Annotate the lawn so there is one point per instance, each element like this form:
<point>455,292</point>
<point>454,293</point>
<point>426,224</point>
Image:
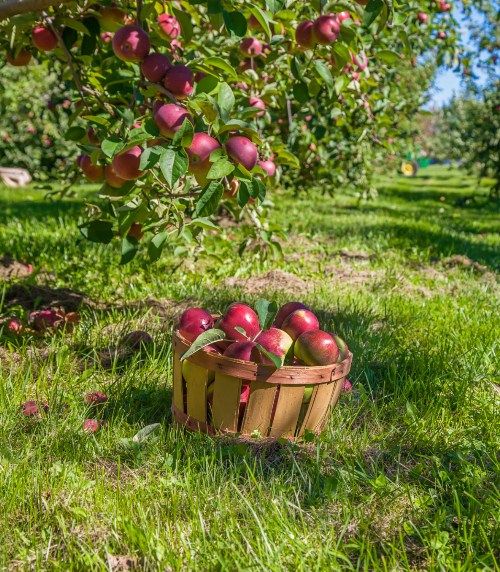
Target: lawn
<point>404,476</point>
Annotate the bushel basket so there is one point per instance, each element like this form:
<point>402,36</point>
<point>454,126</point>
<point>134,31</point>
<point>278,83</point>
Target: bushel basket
<point>275,406</point>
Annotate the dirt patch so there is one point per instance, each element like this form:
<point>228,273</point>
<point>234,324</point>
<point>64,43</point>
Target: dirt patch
<point>9,359</point>
<point>347,274</point>
<point>11,269</point>
<point>121,563</point>
<point>464,262</point>
<point>356,254</point>
<point>272,281</point>
<point>164,308</point>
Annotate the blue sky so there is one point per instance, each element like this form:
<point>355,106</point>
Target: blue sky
<point>446,84</point>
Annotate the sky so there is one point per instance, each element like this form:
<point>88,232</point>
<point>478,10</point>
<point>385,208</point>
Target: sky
<point>446,84</point>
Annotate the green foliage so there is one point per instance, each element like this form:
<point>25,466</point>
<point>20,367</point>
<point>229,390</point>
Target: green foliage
<point>36,108</point>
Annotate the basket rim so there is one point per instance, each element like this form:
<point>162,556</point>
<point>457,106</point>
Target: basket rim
<point>285,375</point>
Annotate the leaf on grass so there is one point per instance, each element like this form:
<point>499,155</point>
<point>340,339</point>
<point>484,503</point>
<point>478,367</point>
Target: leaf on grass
<point>203,340</point>
<point>145,433</point>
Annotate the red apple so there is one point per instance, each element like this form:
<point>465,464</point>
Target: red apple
<point>91,425</point>
<point>202,146</point>
<point>95,398</point>
<point>169,118</point>
<point>43,38</point>
<point>106,37</point>
<point>276,341</point>
<point>242,151</point>
<point>268,166</point>
<point>243,350</point>
<point>92,172</point>
<point>422,17</point>
<point>155,66</point>
<point>253,23</point>
<point>360,60</point>
<point>442,35</point>
<point>179,80</point>
<point>126,164</point>
<point>242,316</point>
<point>193,322</point>
<point>346,386</point>
<point>316,348</point>
<point>251,47</point>
<point>286,310</point>
<point>22,58</point>
<point>343,16</point>
<point>92,137</point>
<point>326,28</point>
<point>258,103</point>
<point>169,26</point>
<point>112,179</point>
<point>299,322</point>
<point>131,43</point>
<point>304,34</point>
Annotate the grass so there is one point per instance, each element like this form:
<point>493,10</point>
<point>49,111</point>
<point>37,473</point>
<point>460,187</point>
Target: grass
<point>404,476</point>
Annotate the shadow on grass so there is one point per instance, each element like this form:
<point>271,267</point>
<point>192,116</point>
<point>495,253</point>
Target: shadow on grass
<point>39,209</point>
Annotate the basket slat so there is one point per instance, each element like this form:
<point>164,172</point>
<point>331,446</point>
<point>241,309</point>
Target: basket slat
<point>197,392</point>
<point>225,408</point>
<point>287,411</point>
<point>318,407</point>
<point>178,397</point>
<point>333,401</point>
<point>259,408</point>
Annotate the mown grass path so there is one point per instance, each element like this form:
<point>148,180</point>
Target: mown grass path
<point>404,476</point>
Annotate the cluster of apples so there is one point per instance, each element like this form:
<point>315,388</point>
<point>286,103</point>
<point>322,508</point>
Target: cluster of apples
<point>41,321</point>
<point>295,336</point>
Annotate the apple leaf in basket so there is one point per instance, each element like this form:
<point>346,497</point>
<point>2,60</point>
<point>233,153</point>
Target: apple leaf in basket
<point>266,311</point>
<point>204,339</point>
<point>241,330</point>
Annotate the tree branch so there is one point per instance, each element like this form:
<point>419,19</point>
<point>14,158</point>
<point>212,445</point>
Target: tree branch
<point>10,8</point>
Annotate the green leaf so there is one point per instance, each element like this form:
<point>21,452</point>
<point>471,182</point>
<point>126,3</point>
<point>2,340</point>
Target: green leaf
<point>204,223</point>
<point>149,158</point>
<point>275,5</point>
<point>341,83</point>
<point>145,433</point>
<point>184,135</point>
<point>173,165</point>
<point>130,246</point>
<point>156,245</point>
<point>75,133</point>
<point>244,193</point>
<point>220,63</point>
<point>372,10</point>
<point>266,311</point>
<point>262,18</point>
<point>342,54</point>
<point>325,74</point>
<point>388,56</point>
<point>235,22</point>
<point>300,92</point>
<point>209,199</point>
<point>110,147</point>
<point>186,24</point>
<point>98,231</point>
<point>220,169</point>
<point>69,37</point>
<point>205,339</point>
<point>225,100</point>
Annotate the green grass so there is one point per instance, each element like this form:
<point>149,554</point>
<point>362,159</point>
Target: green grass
<point>402,478</point>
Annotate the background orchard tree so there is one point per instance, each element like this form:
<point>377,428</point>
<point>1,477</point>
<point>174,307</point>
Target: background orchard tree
<point>184,106</point>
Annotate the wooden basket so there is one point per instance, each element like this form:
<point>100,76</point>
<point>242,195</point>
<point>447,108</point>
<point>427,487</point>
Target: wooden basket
<point>275,407</point>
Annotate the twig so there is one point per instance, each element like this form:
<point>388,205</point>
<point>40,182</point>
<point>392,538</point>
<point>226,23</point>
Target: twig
<point>139,9</point>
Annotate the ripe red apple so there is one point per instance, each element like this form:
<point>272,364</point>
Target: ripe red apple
<point>92,137</point>
<point>169,118</point>
<point>112,179</point>
<point>299,322</point>
<point>169,26</point>
<point>240,315</point>
<point>343,16</point>
<point>95,398</point>
<point>258,103</point>
<point>286,310</point>
<point>346,386</point>
<point>326,28</point>
<point>242,151</point>
<point>202,146</point>
<point>251,47</point>
<point>135,231</point>
<point>268,166</point>
<point>131,43</point>
<point>94,173</point>
<point>360,60</point>
<point>155,66</point>
<point>22,58</point>
<point>243,350</point>
<point>179,81</point>
<point>444,6</point>
<point>316,348</point>
<point>91,425</point>
<point>106,37</point>
<point>193,322</point>
<point>275,341</point>
<point>253,23</point>
<point>422,17</point>
<point>304,34</point>
<point>442,35</point>
<point>43,38</point>
<point>126,164</point>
